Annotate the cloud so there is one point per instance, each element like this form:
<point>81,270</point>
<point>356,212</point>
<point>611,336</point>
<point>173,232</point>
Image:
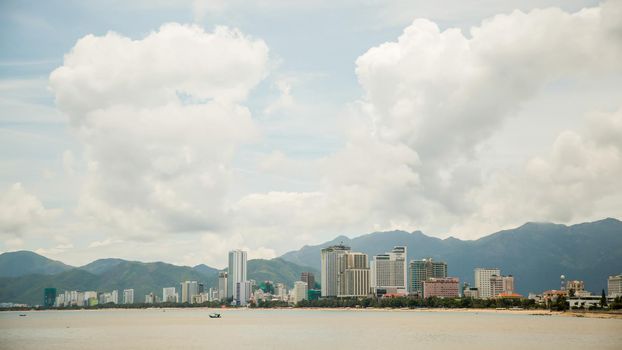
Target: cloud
<point>285,99</point>
<point>578,179</point>
<point>442,93</point>
<point>160,119</point>
<point>431,98</point>
<point>22,212</point>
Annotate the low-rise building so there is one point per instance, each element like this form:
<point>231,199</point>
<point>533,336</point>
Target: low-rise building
<point>470,293</point>
<point>447,287</point>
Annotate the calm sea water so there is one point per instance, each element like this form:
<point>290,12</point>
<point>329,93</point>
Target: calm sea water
<point>302,329</point>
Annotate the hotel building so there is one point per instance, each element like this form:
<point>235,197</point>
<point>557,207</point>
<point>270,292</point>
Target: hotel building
<point>389,272</point>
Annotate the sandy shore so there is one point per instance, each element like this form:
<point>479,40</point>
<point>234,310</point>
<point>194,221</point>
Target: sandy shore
<point>534,312</point>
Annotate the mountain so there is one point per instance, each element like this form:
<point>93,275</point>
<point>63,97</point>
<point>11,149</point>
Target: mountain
<point>278,270</point>
<point>205,270</point>
<point>20,263</point>
<point>102,275</point>
<point>102,265</point>
<point>536,254</point>
<point>105,275</point>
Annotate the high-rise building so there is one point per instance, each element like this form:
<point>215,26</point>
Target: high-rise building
<point>330,269</point>
<point>236,272</point>
<point>496,285</point>
<point>169,295</point>
<point>299,292</point>
<point>60,300</point>
<point>424,269</point>
<point>353,278</point>
<point>508,284</point>
<point>188,290</point>
<point>49,297</point>
<point>151,298</point>
<point>222,285</point>
<point>184,292</point>
<point>115,296</point>
<point>389,272</point>
<point>309,278</point>
<point>280,291</point>
<point>128,296</point>
<point>242,293</point>
<point>448,287</point>
<point>482,281</point>
<point>614,286</point>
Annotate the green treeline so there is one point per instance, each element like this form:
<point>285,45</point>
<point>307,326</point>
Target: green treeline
<point>433,302</point>
<point>398,302</point>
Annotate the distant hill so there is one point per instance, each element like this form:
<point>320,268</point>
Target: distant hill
<point>105,275</point>
<point>99,276</point>
<point>102,265</point>
<point>14,264</point>
<point>535,253</point>
<point>205,270</point>
<point>278,270</point>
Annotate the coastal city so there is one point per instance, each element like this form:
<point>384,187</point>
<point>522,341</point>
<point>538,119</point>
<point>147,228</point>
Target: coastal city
<point>348,275</point>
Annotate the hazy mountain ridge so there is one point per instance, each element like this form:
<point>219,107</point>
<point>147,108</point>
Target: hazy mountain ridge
<point>104,275</point>
<point>26,262</point>
<point>535,253</point>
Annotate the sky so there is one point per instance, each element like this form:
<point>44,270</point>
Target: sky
<point>178,130</point>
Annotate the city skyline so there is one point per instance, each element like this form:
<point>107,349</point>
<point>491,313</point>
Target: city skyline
<point>344,274</point>
<point>310,174</point>
<point>273,126</point>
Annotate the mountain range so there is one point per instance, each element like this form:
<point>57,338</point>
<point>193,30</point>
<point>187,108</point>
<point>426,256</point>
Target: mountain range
<point>24,283</point>
<point>536,254</point>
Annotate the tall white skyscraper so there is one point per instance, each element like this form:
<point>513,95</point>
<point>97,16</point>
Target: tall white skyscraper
<point>483,283</point>
<point>389,271</point>
<point>128,296</point>
<point>236,273</point>
<point>330,269</point>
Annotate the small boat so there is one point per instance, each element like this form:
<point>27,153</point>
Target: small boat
<point>22,315</point>
<point>214,315</point>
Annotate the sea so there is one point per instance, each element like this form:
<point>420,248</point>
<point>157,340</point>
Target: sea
<point>286,329</point>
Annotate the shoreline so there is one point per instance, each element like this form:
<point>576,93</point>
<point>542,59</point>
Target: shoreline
<point>527,312</point>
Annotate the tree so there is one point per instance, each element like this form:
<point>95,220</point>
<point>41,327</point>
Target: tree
<point>603,299</point>
<point>559,304</point>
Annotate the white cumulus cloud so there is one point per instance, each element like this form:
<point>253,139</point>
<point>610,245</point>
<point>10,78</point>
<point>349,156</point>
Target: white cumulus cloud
<point>22,212</point>
<point>431,98</point>
<point>160,118</point>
